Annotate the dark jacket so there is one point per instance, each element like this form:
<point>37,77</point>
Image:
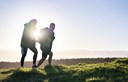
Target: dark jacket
<point>46,36</point>
<point>28,39</point>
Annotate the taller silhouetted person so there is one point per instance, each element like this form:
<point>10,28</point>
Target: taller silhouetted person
<point>28,41</point>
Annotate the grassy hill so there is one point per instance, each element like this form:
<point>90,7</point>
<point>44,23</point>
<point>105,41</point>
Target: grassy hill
<point>116,71</point>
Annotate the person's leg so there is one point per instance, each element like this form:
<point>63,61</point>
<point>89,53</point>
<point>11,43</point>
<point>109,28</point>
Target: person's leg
<point>23,52</point>
<point>41,61</point>
<point>44,56</point>
<point>34,50</point>
<point>50,57</point>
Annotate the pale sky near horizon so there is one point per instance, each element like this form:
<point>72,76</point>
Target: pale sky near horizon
<point>80,24</point>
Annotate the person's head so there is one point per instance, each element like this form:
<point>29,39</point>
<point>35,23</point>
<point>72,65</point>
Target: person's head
<point>33,21</point>
<point>52,26</point>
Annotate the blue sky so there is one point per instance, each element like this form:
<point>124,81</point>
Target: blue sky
<point>80,24</point>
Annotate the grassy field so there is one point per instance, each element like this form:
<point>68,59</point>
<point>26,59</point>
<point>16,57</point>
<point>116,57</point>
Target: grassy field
<point>116,71</point>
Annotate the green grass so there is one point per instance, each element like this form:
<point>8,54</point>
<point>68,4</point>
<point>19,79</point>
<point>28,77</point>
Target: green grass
<point>116,71</point>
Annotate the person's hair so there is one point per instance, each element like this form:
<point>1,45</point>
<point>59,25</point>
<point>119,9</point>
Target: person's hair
<point>33,21</point>
<point>52,24</point>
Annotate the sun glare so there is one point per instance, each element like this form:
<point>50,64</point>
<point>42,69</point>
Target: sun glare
<point>36,34</point>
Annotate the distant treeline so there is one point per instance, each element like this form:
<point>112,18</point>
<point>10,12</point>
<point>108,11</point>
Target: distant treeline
<point>59,61</point>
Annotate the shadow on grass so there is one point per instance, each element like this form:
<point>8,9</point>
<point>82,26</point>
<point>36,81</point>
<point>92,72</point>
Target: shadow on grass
<point>25,75</point>
<point>56,74</point>
<point>61,74</point>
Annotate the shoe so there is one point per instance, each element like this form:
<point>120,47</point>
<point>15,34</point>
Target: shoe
<point>34,66</point>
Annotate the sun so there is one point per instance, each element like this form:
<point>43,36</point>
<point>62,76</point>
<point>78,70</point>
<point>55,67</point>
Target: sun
<point>36,34</point>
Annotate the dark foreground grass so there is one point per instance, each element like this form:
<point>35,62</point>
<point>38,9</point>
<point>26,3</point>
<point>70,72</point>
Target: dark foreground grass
<point>116,71</point>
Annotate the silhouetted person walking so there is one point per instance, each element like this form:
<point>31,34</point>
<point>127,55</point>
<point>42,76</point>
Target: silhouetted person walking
<point>28,41</point>
<point>46,39</point>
